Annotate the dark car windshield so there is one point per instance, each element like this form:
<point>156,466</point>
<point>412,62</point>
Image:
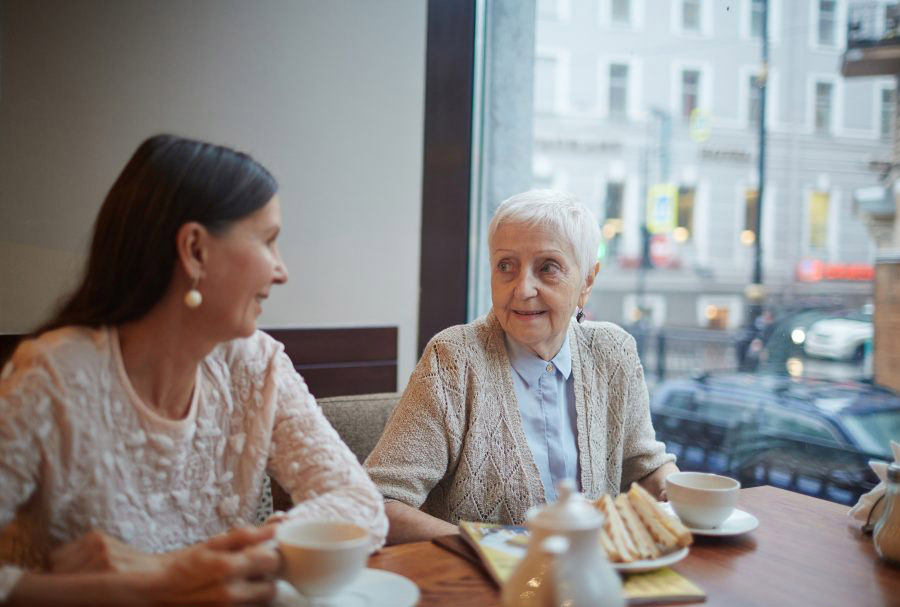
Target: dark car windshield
<point>873,431</point>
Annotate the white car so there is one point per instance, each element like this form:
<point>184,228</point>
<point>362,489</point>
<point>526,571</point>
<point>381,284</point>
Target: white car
<point>838,338</point>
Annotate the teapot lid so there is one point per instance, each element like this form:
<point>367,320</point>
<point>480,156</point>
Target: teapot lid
<point>570,511</point>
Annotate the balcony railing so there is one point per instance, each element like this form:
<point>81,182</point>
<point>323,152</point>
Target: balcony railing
<point>873,24</point>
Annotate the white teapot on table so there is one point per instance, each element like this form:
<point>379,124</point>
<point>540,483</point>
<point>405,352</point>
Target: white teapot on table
<point>565,563</point>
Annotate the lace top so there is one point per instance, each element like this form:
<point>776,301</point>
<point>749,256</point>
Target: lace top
<point>455,446</point>
<point>80,450</point>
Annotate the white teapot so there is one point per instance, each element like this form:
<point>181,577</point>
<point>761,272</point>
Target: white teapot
<point>565,563</point>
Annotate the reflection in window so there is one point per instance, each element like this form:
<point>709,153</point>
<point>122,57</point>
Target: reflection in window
<point>621,11</point>
<point>823,107</point>
<point>618,89</point>
<point>756,18</point>
<point>690,15</point>
<point>798,425</point>
<point>545,84</point>
<point>827,22</point>
<point>887,112</point>
<point>818,220</point>
<point>690,92</point>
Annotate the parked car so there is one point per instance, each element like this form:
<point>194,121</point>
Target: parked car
<point>840,338</point>
<point>813,436</point>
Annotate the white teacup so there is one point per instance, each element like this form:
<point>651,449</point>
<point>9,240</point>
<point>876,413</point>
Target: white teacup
<point>702,500</point>
<point>322,557</point>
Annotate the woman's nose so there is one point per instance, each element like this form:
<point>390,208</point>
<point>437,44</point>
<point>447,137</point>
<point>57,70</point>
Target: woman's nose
<point>525,285</point>
<point>281,273</point>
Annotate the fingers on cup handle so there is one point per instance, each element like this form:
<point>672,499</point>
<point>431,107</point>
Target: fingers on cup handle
<point>241,537</point>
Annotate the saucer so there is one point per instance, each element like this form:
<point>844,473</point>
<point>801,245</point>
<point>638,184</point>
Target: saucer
<point>739,522</point>
<point>651,564</point>
<point>373,588</point>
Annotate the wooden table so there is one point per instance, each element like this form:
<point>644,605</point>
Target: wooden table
<point>802,553</point>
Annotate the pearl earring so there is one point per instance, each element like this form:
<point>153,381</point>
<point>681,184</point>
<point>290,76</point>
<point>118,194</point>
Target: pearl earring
<point>193,298</point>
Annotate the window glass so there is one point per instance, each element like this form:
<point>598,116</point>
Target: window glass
<point>887,112</point>
<point>827,22</point>
<point>675,190</point>
<point>690,15</point>
<point>756,18</point>
<point>823,107</point>
<point>753,106</point>
<point>798,424</point>
<point>685,215</point>
<point>690,92</point>
<point>621,11</point>
<point>618,89</point>
<point>545,84</point>
<point>750,207</point>
<point>818,220</point>
<point>873,431</point>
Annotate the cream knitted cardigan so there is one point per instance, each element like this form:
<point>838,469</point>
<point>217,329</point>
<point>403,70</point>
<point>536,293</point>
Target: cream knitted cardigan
<point>455,446</point>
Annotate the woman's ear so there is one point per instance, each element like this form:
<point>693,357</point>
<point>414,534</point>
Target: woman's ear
<point>588,285</point>
<point>191,242</point>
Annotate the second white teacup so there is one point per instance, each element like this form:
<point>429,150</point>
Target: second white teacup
<point>322,557</point>
<point>702,500</point>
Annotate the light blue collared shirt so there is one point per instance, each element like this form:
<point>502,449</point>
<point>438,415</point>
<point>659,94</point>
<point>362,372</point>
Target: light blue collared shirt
<point>545,391</point>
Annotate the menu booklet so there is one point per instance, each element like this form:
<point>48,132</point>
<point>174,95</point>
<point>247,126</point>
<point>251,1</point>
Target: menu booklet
<point>498,548</point>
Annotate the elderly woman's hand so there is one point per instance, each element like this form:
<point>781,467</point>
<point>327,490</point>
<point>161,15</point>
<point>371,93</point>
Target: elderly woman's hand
<point>655,482</point>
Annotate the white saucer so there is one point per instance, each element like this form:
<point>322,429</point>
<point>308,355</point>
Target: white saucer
<point>739,522</point>
<point>651,564</point>
<point>373,588</point>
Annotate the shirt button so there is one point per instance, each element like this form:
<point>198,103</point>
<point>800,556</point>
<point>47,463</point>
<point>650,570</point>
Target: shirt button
<point>549,367</point>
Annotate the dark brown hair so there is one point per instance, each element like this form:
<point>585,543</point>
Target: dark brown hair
<point>168,182</point>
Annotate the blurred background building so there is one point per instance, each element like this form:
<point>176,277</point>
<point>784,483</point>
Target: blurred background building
<point>649,111</point>
<point>873,52</point>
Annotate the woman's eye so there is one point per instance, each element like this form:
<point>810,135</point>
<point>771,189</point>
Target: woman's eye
<point>549,267</point>
<point>503,266</point>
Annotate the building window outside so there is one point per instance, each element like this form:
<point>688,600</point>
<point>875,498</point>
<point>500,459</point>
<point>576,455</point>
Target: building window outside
<point>818,220</point>
<point>753,107</point>
<point>621,12</point>
<point>887,112</point>
<point>827,22</point>
<point>545,69</point>
<point>824,93</point>
<point>690,92</point>
<point>756,18</point>
<point>618,89</point>
<point>690,15</point>
<point>612,217</point>
<point>684,220</point>
<point>751,227</point>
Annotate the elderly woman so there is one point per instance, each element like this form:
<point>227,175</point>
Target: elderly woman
<point>152,409</point>
<point>499,410</point>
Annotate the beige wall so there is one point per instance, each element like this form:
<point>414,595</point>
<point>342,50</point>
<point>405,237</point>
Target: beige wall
<point>328,95</point>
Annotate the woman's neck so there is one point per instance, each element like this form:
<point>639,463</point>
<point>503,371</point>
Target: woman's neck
<point>161,355</point>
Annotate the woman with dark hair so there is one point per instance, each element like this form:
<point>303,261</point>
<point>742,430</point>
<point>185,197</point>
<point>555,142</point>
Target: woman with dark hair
<point>150,409</point>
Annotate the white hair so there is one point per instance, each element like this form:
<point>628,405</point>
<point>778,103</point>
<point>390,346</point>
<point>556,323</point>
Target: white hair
<point>560,212</point>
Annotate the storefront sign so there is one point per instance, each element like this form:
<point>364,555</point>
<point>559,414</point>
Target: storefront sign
<point>816,270</point>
